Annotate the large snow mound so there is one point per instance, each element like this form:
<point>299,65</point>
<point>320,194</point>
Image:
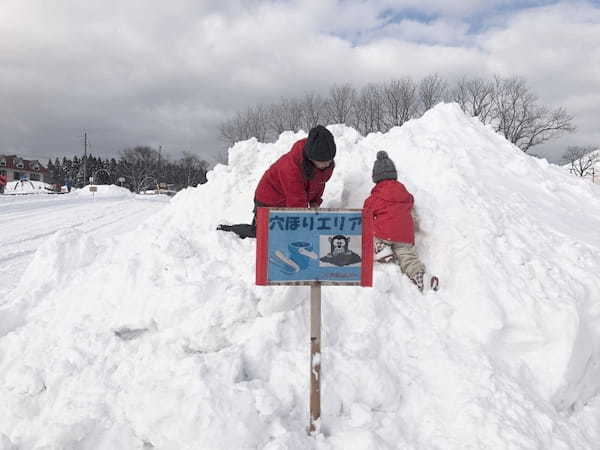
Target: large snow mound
<point>163,341</point>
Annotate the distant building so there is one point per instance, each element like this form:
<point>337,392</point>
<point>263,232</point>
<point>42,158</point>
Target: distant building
<point>16,168</point>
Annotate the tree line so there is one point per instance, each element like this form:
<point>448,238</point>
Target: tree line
<point>138,168</point>
<point>506,104</point>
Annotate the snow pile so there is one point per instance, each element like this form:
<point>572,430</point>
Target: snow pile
<point>163,341</point>
<point>26,187</point>
<point>103,190</point>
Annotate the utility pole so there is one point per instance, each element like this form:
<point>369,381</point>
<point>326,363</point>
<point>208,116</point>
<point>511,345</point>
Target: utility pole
<point>84,158</point>
<point>159,155</point>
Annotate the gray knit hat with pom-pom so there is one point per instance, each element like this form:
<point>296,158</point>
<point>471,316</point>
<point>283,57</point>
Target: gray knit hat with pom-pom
<point>384,168</point>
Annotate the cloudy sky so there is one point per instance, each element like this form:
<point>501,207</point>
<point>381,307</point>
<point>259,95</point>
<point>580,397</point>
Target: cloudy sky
<point>166,73</point>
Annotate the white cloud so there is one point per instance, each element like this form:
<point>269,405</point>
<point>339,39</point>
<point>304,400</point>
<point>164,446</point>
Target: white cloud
<point>166,73</point>
<point>556,49</point>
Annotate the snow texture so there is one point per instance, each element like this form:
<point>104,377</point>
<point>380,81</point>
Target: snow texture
<point>26,187</point>
<point>26,221</point>
<point>103,190</point>
<point>164,341</point>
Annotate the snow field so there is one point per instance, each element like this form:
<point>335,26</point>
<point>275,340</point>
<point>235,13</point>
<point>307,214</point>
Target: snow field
<point>26,187</point>
<point>163,341</point>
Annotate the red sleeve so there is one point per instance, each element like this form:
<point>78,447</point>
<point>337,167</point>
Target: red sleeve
<point>407,197</point>
<point>292,183</point>
<point>369,205</point>
<point>317,197</point>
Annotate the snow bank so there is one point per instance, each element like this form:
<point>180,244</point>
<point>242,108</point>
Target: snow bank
<point>26,187</point>
<point>103,190</point>
<point>163,341</point>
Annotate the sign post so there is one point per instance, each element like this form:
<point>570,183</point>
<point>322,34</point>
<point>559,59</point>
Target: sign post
<point>315,357</point>
<point>314,247</point>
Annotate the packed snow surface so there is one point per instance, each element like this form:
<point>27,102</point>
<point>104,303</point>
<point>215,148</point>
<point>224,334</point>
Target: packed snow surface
<point>163,341</point>
<point>27,221</point>
<point>26,187</point>
<point>103,190</point>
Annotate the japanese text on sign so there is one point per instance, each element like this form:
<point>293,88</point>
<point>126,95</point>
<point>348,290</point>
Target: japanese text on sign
<point>309,223</point>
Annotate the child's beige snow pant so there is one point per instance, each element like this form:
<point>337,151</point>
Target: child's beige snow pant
<point>406,257</point>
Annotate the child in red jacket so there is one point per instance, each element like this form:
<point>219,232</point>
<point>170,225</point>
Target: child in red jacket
<point>391,206</point>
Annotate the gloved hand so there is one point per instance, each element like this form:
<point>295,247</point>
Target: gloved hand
<point>243,230</point>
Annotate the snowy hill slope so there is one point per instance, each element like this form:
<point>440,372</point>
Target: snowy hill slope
<point>163,341</point>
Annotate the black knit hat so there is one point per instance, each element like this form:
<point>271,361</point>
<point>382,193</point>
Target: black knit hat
<point>384,168</point>
<point>320,145</point>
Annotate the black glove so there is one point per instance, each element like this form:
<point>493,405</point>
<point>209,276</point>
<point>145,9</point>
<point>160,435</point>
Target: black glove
<point>243,230</point>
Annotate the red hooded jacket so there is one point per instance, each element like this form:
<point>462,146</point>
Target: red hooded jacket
<point>2,180</point>
<point>285,183</point>
<point>391,205</point>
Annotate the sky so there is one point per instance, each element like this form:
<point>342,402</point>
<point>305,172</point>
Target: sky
<point>149,72</point>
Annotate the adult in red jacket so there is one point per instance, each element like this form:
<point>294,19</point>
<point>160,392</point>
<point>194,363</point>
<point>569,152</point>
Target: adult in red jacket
<point>296,180</point>
<point>390,205</point>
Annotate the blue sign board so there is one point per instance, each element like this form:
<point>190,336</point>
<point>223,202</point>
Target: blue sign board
<point>309,246</point>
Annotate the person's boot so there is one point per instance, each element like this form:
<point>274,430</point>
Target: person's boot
<point>384,253</point>
<point>434,283</point>
<point>417,278</point>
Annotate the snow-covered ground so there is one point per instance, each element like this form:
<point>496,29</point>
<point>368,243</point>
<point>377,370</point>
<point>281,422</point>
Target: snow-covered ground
<point>162,340</point>
<point>26,187</point>
<point>27,221</point>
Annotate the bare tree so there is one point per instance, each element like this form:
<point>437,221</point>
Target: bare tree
<point>400,98</point>
<point>235,129</point>
<point>368,112</point>
<point>312,110</point>
<point>475,96</point>
<point>293,115</point>
<point>277,117</point>
<point>432,90</point>
<point>360,113</point>
<point>582,159</point>
<point>339,103</point>
<point>252,123</point>
<point>505,103</point>
<point>138,164</point>
<point>194,169</point>
<point>517,115</point>
<point>256,123</point>
<point>227,132</point>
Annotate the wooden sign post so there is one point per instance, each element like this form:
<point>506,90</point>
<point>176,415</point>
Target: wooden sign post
<point>315,357</point>
<point>315,247</point>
